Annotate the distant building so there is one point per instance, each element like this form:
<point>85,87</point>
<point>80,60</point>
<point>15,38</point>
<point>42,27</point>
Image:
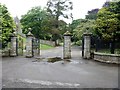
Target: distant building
<point>18,27</point>
<point>20,36</point>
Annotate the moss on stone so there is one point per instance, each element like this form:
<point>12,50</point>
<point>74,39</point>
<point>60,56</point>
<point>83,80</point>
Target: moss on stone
<point>55,59</point>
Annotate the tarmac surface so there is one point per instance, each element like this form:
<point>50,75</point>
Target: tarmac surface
<point>21,72</point>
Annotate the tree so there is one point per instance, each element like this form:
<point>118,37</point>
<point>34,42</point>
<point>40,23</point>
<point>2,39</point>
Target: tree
<point>92,14</point>
<point>57,32</point>
<point>42,24</point>
<point>39,21</point>
<point>79,26</point>
<point>75,23</point>
<point>108,23</point>
<point>63,27</point>
<point>59,8</point>
<point>84,26</point>
<point>7,25</point>
<point>106,4</point>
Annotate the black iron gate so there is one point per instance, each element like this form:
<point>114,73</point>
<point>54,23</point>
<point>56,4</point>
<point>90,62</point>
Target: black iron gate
<point>82,46</point>
<point>20,46</point>
<point>35,46</point>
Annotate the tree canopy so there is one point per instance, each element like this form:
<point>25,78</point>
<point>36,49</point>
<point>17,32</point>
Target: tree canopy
<point>84,26</point>
<point>38,20</point>
<point>7,26</point>
<point>42,24</point>
<point>59,8</point>
<point>92,14</point>
<point>108,22</point>
<point>45,23</point>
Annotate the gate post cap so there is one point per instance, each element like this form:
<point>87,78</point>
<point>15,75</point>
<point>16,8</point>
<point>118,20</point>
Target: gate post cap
<point>67,33</point>
<point>87,34</point>
<point>14,34</point>
<point>29,33</point>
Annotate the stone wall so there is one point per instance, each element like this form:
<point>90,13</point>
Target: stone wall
<point>5,52</point>
<point>51,43</point>
<point>108,58</point>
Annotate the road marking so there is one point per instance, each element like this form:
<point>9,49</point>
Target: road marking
<point>48,82</point>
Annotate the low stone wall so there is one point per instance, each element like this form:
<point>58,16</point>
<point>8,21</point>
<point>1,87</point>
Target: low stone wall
<point>108,58</point>
<point>51,43</point>
<point>5,53</point>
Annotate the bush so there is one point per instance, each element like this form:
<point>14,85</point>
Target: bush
<point>117,51</point>
<point>54,59</point>
<point>79,43</point>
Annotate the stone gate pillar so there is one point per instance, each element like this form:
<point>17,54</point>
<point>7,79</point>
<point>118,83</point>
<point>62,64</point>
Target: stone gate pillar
<point>29,45</point>
<point>86,45</point>
<point>67,45</point>
<point>13,46</point>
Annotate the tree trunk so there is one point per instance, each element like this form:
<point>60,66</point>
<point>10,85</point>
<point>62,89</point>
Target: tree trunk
<point>56,43</point>
<point>112,48</point>
<point>39,47</point>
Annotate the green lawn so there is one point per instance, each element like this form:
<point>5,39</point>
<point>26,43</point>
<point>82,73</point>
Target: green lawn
<point>45,47</point>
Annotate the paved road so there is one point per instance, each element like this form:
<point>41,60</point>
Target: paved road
<point>20,72</point>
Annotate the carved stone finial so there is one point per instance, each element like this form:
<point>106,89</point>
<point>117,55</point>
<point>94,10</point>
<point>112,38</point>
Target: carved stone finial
<point>29,33</point>
<point>67,33</point>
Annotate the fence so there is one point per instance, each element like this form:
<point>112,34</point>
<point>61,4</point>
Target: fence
<point>101,45</point>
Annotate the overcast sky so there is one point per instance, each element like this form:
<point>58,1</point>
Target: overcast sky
<point>80,7</point>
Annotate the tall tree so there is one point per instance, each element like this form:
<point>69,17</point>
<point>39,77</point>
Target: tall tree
<point>92,14</point>
<point>108,23</point>
<point>77,22</point>
<point>38,20</point>
<point>59,8</point>
<point>84,26</point>
<point>7,25</point>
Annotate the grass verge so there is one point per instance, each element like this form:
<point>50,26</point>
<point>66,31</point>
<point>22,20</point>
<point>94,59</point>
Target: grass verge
<point>45,47</point>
